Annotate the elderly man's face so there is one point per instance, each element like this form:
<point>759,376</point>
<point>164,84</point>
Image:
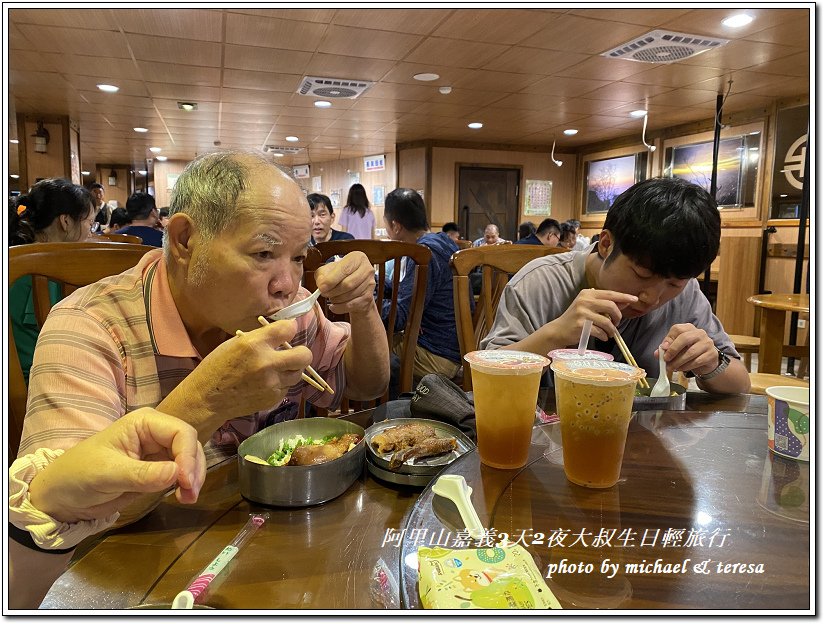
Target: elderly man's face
<point>491,236</point>
<point>256,265</point>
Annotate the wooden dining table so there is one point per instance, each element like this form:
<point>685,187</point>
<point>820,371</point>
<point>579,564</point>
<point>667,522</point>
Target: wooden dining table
<point>705,469</point>
<point>774,309</point>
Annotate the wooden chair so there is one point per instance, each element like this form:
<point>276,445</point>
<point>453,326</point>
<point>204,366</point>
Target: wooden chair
<point>463,244</point>
<point>72,265</point>
<point>118,238</point>
<point>497,263</point>
<point>380,252</point>
<point>759,382</point>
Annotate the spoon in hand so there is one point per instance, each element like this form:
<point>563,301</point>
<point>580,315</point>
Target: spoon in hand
<point>294,310</point>
<point>662,386</point>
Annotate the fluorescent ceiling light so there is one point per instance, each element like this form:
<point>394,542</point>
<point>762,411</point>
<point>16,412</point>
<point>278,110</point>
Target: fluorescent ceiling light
<point>475,125</point>
<point>292,139</point>
<point>737,21</point>
<point>570,131</point>
<point>323,104</point>
<point>141,129</point>
<point>638,114</point>
<point>155,150</point>
<point>108,88</point>
<point>426,77</point>
<point>162,158</point>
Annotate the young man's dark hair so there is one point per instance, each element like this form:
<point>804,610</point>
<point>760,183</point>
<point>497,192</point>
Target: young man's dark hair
<point>450,227</point>
<point>317,198</point>
<point>119,219</point>
<point>574,223</point>
<point>547,225</point>
<point>666,225</point>
<point>525,229</point>
<point>96,185</point>
<point>406,207</point>
<point>140,205</point>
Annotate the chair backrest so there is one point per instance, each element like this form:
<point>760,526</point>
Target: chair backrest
<point>463,244</point>
<point>72,265</point>
<point>379,253</point>
<point>118,238</point>
<point>498,263</point>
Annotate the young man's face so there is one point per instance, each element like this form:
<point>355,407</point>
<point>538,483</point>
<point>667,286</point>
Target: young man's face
<point>321,223</point>
<point>455,236</point>
<point>256,265</point>
<point>623,275</point>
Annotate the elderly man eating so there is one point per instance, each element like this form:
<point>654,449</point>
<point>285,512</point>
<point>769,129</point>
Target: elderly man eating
<point>180,332</point>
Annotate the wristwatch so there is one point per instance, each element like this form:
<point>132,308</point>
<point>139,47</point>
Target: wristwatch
<point>723,362</point>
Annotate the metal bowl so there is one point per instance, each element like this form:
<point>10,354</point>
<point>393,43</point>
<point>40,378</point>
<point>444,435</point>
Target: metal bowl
<point>298,486</point>
<point>677,402</point>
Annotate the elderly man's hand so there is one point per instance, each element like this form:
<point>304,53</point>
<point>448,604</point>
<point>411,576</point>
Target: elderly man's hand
<point>144,451</point>
<point>348,284</point>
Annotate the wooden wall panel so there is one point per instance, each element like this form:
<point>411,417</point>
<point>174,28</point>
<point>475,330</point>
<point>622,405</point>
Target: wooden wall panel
<point>738,267</point>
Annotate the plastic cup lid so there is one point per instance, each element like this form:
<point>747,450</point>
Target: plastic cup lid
<point>504,360</point>
<point>572,354</point>
<point>597,370</point>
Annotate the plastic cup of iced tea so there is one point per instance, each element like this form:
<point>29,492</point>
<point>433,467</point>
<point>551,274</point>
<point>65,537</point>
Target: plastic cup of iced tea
<point>594,404</point>
<point>505,385</point>
<point>572,354</point>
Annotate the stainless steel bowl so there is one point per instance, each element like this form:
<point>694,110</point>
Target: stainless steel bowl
<point>677,402</point>
<point>298,486</point>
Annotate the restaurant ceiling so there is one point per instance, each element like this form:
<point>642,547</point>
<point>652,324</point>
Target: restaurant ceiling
<point>527,74</point>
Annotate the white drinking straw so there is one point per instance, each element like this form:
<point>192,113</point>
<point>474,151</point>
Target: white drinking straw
<point>582,344</point>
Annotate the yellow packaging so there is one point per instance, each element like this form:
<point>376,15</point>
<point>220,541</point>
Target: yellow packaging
<point>482,578</point>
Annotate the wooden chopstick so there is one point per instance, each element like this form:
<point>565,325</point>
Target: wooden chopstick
<point>303,376</point>
<point>321,382</point>
<point>628,357</point>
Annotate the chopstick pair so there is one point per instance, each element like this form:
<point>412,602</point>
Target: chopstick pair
<point>628,357</point>
<point>316,380</point>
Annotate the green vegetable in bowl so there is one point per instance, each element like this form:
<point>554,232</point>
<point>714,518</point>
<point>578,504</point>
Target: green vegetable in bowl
<point>283,453</point>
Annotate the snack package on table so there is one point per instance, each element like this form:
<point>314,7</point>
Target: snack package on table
<point>482,578</point>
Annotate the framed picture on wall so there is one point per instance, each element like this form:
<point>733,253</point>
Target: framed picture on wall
<point>607,178</point>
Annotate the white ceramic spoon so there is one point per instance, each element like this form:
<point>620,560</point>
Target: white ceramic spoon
<point>299,308</point>
<point>454,488</point>
<point>662,386</point>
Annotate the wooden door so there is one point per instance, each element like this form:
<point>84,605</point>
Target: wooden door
<point>488,195</point>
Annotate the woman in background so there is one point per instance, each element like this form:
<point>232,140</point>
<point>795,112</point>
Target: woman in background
<point>54,210</point>
<point>357,217</point>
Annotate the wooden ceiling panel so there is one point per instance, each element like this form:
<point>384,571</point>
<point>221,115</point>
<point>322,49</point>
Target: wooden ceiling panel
<point>469,54</point>
<point>708,21</point>
<point>112,101</point>
<point>181,74</point>
<point>323,16</point>
<point>649,16</point>
<point>378,104</point>
<point>565,87</point>
<point>684,97</point>
<point>336,66</point>
<point>470,97</point>
<point>600,68</point>
<point>273,33</point>
<point>789,87</point>
<point>73,41</point>
<point>166,49</point>
<point>367,43</point>
<point>30,61</point>
<point>404,73</point>
<point>300,123</point>
<point>741,55</point>
<point>796,31</point>
<point>625,91</point>
<point>414,119</point>
<point>392,91</point>
<point>411,21</point>
<point>266,59</point>
<point>93,19</point>
<point>482,80</point>
<point>374,116</point>
<point>506,26</point>
<point>170,108</point>
<point>356,125</point>
<point>583,35</point>
<point>241,79</point>
<point>197,24</point>
<point>529,101</point>
<point>307,105</point>
<point>674,75</point>
<point>443,109</point>
<point>585,106</point>
<point>184,93</point>
<point>254,96</point>
<point>796,65</point>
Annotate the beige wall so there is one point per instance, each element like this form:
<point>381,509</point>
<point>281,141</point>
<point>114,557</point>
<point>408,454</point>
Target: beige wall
<point>162,170</point>
<point>119,193</point>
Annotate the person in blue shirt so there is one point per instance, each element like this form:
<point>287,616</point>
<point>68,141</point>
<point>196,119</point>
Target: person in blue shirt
<point>437,351</point>
<point>144,217</point>
<point>323,215</point>
<point>548,233</point>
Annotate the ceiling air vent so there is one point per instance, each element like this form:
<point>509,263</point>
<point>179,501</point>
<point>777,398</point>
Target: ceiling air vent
<point>340,88</point>
<point>661,46</point>
<point>282,150</point>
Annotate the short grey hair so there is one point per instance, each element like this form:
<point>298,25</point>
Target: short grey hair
<point>209,187</point>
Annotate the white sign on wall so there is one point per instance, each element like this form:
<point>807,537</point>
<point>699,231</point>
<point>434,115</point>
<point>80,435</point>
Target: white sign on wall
<point>374,163</point>
<point>300,171</point>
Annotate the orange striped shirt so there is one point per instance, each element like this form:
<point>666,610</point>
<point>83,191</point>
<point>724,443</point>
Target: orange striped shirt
<point>120,344</point>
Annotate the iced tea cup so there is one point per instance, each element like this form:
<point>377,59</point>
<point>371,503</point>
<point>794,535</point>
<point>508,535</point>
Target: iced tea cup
<point>594,403</point>
<point>505,385</point>
<point>572,354</point>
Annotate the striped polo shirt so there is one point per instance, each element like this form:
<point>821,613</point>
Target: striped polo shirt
<point>120,344</point>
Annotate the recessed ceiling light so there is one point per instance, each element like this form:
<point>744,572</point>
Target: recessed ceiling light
<point>155,150</point>
<point>15,141</point>
<point>108,88</point>
<point>141,129</point>
<point>475,125</point>
<point>323,103</point>
<point>187,106</point>
<point>426,77</point>
<point>737,21</point>
<point>570,131</point>
<point>86,172</point>
<point>14,175</point>
<point>292,139</point>
<point>277,154</point>
<point>638,114</point>
<point>162,158</point>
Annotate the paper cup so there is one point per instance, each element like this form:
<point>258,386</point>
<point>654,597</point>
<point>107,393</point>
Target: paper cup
<point>788,421</point>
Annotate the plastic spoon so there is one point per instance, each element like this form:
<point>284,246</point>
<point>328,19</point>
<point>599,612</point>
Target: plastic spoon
<point>662,386</point>
<point>299,308</point>
<point>454,488</point>
<point>585,332</point>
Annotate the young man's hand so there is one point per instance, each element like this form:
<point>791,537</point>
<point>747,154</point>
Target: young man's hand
<point>688,348</point>
<point>602,307</point>
<point>348,284</point>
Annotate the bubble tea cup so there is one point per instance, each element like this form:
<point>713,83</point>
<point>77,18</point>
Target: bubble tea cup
<point>505,386</point>
<point>594,404</point>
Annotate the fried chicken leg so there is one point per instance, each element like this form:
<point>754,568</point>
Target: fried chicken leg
<point>425,448</point>
<point>322,453</point>
<point>402,436</point>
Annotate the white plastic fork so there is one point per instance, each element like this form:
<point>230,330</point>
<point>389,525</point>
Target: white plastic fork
<point>662,386</point>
